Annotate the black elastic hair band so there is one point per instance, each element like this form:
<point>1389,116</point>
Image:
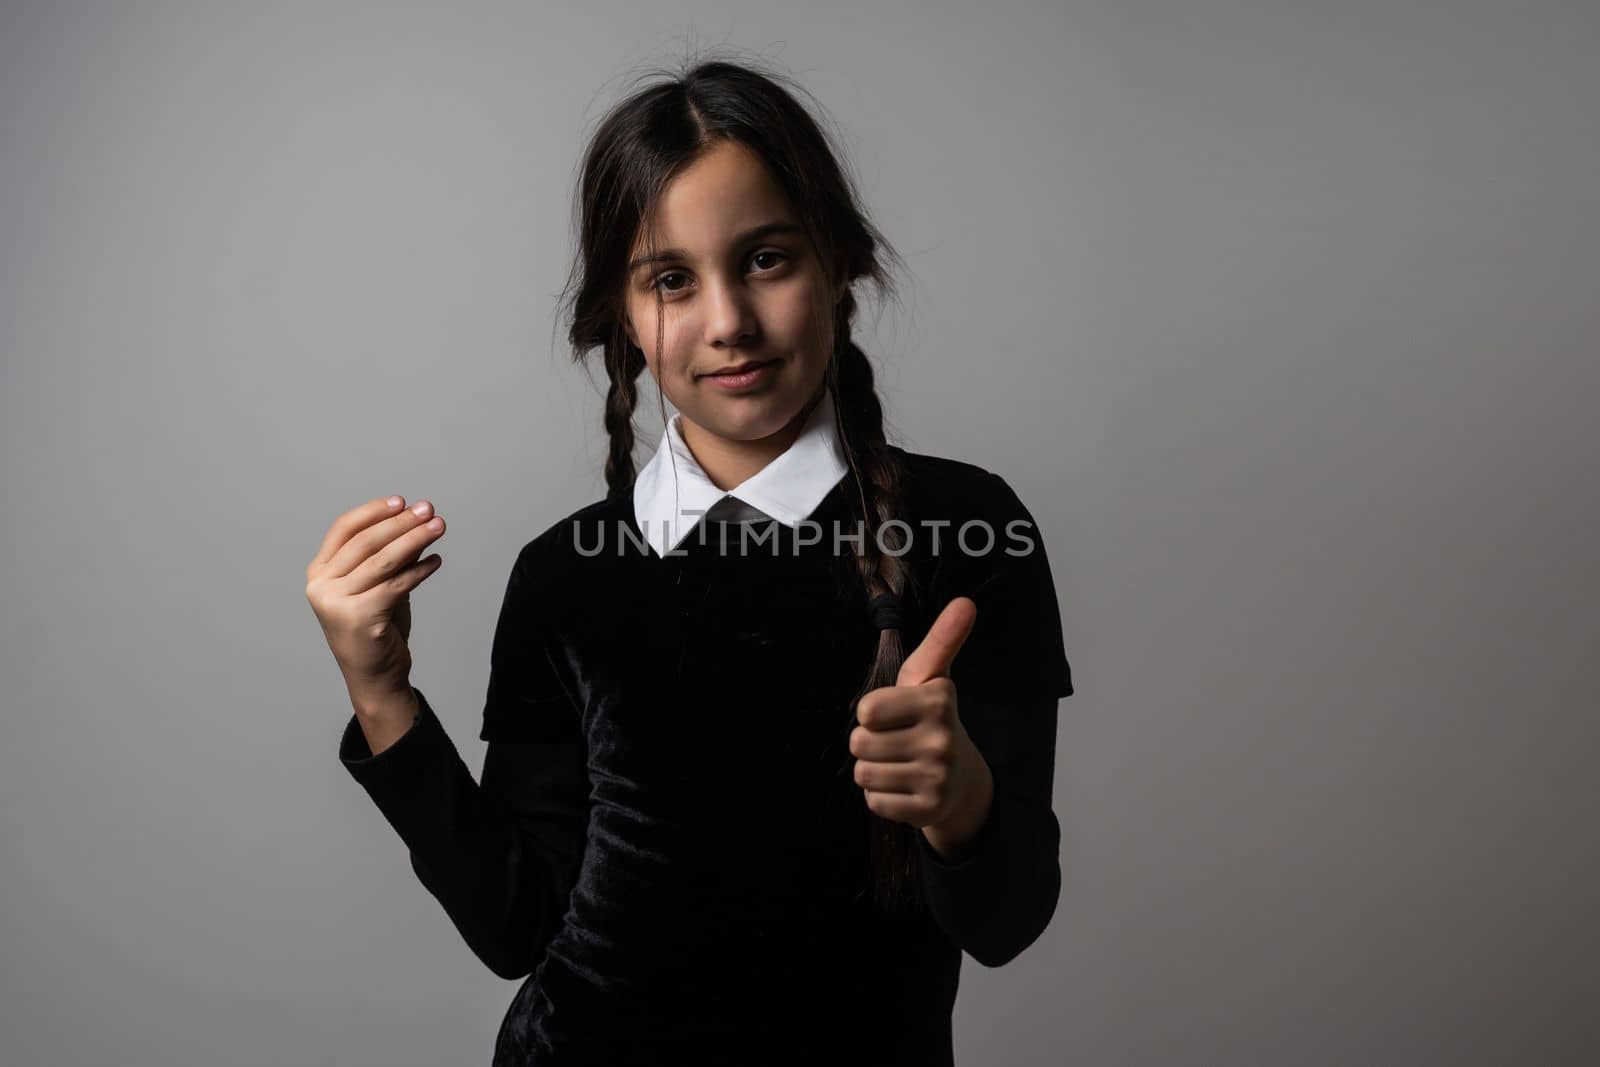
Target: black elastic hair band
<point>886,613</point>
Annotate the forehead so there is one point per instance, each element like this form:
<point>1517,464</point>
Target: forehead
<point>725,191</point>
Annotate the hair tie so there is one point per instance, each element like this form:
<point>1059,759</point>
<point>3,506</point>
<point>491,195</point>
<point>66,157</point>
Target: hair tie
<point>885,611</point>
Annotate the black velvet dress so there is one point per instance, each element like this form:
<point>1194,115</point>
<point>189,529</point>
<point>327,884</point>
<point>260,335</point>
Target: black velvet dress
<point>668,845</point>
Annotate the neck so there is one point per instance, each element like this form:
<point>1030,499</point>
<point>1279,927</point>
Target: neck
<point>729,462</point>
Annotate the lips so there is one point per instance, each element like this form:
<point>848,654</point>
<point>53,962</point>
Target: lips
<point>738,368</point>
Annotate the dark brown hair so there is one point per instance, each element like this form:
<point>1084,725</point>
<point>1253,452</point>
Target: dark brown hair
<point>636,149</point>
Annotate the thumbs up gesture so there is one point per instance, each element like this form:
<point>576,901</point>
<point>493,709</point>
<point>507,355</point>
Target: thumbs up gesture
<point>914,759</point>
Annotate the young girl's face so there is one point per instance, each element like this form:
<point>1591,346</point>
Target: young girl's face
<point>731,295</point>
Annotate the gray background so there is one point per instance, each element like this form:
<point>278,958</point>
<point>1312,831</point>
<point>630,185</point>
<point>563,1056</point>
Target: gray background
<point>1281,317</point>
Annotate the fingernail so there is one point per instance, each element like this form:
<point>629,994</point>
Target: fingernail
<point>394,502</point>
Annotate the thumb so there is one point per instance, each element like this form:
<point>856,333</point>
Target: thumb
<point>932,658</point>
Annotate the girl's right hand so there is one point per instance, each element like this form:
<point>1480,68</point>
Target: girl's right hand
<point>359,585</point>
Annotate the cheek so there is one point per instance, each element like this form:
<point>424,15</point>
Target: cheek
<point>669,327</point>
<point>792,314</point>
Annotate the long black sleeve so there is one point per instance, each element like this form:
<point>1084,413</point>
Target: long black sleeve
<point>501,857</point>
<point>996,896</point>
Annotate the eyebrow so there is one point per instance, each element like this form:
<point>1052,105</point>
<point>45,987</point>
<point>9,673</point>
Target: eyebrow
<point>766,229</point>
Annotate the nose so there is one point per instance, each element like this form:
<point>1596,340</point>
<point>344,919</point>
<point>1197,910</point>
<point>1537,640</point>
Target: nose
<point>729,321</point>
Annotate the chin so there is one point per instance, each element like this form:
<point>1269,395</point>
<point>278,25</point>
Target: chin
<point>749,425</point>
<point>750,418</point>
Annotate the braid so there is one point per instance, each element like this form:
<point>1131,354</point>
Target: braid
<point>624,363</point>
<point>879,476</point>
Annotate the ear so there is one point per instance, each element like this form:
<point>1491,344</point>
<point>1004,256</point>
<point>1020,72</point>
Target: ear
<point>841,280</point>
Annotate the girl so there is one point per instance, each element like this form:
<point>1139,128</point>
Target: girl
<point>771,727</point>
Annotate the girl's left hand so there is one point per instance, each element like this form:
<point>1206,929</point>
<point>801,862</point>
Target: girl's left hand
<point>914,759</point>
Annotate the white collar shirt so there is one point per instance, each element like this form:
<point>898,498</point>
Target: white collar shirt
<point>787,489</point>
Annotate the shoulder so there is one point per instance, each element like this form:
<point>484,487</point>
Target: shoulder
<point>939,486</point>
<point>989,533</point>
<point>555,554</point>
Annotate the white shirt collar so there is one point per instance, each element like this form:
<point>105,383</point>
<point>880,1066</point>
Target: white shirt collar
<point>787,489</point>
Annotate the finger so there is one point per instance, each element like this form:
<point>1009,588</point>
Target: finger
<point>887,777</point>
<point>913,810</point>
<point>389,559</point>
<point>400,585</point>
<point>890,708</point>
<point>932,658</point>
<point>353,521</point>
<point>367,541</point>
<point>886,746</point>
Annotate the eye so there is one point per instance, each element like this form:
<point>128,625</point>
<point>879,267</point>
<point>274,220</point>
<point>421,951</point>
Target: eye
<point>770,252</point>
<point>660,282</point>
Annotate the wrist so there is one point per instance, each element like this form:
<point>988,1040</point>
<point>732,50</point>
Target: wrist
<point>390,703</point>
<point>954,833</point>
